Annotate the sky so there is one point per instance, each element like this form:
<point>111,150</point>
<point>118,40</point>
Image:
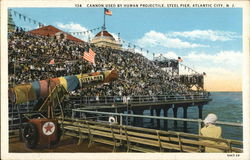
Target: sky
<point>207,39</point>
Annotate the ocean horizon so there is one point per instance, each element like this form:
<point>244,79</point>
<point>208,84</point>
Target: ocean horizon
<point>226,105</point>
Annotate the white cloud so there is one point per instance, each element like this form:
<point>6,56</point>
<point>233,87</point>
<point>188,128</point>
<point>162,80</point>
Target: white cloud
<point>231,60</point>
<point>223,63</point>
<point>156,39</point>
<point>222,57</point>
<point>71,27</point>
<point>74,27</point>
<point>206,35</point>
<point>223,69</point>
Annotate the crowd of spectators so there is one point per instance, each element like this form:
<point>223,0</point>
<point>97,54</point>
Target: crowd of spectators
<point>30,55</point>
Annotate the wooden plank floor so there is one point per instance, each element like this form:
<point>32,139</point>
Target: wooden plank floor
<point>67,144</point>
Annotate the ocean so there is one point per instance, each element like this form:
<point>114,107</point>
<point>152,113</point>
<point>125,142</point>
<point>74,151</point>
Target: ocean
<point>226,105</point>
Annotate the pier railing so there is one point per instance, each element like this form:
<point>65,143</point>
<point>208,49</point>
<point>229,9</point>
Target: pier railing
<point>90,100</point>
<point>143,139</point>
<point>122,117</point>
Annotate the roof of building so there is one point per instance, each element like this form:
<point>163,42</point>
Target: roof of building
<point>51,31</point>
<point>105,34</point>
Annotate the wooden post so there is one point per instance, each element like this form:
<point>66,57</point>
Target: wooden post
<point>165,112</point>
<point>175,109</point>
<point>138,121</point>
<point>158,111</point>
<point>152,114</point>
<point>200,111</point>
<point>185,116</point>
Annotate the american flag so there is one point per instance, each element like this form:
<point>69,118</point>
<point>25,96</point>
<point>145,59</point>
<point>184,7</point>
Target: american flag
<point>108,12</point>
<point>89,56</point>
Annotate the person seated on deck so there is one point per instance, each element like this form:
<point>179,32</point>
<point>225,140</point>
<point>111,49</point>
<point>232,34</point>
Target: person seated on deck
<point>211,130</point>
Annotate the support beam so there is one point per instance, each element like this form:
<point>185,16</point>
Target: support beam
<point>152,114</point>
<point>129,120</point>
<point>158,112</point>
<point>185,116</point>
<point>138,121</point>
<point>165,112</point>
<point>175,109</point>
<point>200,111</point>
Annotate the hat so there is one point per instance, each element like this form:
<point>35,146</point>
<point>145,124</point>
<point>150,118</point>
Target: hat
<point>210,119</point>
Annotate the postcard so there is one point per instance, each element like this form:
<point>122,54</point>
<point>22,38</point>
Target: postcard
<point>125,79</point>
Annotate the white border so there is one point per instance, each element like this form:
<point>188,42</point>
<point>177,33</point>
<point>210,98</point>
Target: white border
<point>114,156</point>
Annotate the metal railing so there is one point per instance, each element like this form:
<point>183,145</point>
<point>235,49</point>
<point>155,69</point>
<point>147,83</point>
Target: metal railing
<point>89,100</point>
<point>123,115</point>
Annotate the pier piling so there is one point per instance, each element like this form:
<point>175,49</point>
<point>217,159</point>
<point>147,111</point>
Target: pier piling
<point>152,114</point>
<point>165,112</point>
<point>138,121</point>
<point>158,112</point>
<point>185,116</point>
<point>175,109</point>
<point>200,111</point>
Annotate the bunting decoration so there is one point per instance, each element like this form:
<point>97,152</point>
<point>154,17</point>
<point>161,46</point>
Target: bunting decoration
<point>106,12</point>
<point>85,32</point>
<point>26,18</point>
<point>190,69</point>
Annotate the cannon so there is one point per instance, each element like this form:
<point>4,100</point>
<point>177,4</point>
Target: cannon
<point>40,89</point>
<point>45,129</point>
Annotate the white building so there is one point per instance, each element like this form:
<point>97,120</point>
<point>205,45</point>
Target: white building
<point>104,38</point>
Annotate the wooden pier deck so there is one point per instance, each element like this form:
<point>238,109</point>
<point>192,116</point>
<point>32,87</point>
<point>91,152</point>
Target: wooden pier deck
<point>107,137</point>
<point>92,136</point>
<point>66,145</point>
<point>143,139</point>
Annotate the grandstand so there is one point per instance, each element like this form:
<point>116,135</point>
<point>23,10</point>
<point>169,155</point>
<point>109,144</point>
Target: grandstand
<point>30,54</point>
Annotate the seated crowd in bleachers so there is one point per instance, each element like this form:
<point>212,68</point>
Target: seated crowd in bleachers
<point>30,55</point>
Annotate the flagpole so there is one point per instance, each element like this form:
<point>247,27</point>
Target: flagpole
<point>104,27</point>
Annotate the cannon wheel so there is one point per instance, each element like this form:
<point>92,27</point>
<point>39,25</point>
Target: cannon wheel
<point>30,135</point>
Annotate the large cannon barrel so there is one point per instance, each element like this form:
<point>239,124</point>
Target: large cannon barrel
<point>40,89</point>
